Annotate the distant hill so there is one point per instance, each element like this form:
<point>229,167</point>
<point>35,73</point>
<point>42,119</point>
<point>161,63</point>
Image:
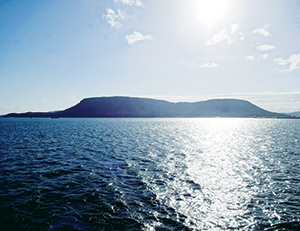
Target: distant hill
<point>142,107</point>
<point>296,114</point>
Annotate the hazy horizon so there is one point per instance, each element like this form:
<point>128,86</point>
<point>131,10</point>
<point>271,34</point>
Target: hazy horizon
<point>55,53</point>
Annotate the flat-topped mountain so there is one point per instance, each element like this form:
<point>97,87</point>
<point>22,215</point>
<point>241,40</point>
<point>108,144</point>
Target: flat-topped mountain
<point>143,107</point>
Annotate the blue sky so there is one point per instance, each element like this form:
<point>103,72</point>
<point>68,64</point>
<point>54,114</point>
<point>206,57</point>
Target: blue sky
<point>53,53</point>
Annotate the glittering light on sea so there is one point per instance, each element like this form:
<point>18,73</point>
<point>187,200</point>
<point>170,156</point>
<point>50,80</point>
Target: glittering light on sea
<point>150,174</point>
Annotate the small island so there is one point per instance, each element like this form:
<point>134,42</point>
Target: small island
<point>131,107</point>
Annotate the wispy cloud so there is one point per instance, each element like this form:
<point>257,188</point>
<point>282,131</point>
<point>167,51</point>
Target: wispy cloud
<point>265,47</point>
<point>130,2</point>
<point>294,61</point>
<point>113,18</point>
<point>282,62</point>
<point>136,36</point>
<point>250,57</point>
<point>234,28</point>
<point>262,30</point>
<point>208,65</point>
<point>217,38</point>
<point>265,56</point>
<point>230,35</point>
<point>242,36</point>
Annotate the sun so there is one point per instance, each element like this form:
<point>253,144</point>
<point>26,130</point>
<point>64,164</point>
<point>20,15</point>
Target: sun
<point>211,10</point>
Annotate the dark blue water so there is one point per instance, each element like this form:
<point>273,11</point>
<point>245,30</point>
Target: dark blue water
<point>149,174</point>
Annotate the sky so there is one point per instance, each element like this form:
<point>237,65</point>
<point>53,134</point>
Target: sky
<point>54,53</point>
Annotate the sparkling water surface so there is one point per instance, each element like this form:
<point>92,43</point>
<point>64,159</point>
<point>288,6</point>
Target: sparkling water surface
<point>149,174</point>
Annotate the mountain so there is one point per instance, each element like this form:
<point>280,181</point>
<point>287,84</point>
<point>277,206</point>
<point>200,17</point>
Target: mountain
<point>296,114</point>
<point>142,107</point>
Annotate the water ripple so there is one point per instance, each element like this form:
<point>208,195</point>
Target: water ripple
<point>149,174</point>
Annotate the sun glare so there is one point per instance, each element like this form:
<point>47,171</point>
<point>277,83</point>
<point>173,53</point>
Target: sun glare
<point>211,10</point>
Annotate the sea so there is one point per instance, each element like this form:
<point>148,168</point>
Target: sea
<point>149,174</point>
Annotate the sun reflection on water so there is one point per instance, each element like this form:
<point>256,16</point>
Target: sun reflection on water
<point>221,170</point>
<point>213,165</point>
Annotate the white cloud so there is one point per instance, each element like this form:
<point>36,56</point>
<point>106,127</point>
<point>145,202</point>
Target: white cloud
<point>294,60</point>
<point>250,57</point>
<point>282,62</point>
<point>209,65</point>
<point>265,47</point>
<point>265,56</point>
<point>242,36</point>
<point>234,28</point>
<point>230,35</point>
<point>136,36</point>
<point>217,38</point>
<point>262,30</point>
<point>130,2</point>
<point>113,17</point>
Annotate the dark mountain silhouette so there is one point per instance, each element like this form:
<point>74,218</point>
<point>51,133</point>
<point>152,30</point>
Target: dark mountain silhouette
<point>142,107</point>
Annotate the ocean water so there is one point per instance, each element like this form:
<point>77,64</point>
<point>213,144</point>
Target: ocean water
<point>149,174</point>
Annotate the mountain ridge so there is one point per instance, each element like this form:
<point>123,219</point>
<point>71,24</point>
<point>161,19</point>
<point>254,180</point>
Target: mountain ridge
<point>121,106</point>
<point>295,114</point>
